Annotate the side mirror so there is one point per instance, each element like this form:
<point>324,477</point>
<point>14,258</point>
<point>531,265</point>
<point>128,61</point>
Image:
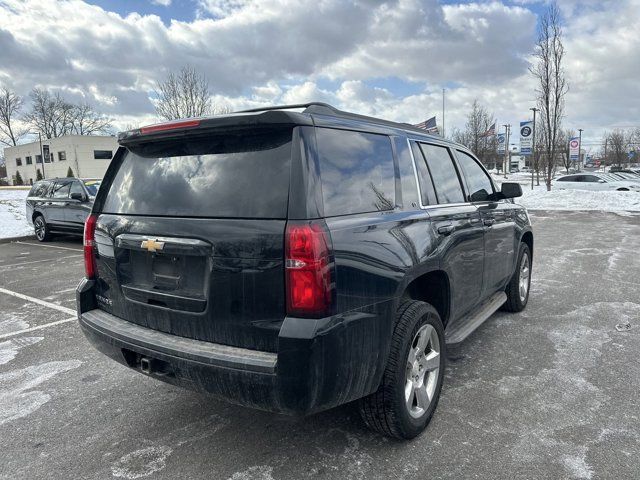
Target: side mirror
<point>511,190</point>
<point>77,196</point>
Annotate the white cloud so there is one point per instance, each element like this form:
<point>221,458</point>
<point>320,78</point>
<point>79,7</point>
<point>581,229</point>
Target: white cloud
<point>275,51</point>
<point>163,3</point>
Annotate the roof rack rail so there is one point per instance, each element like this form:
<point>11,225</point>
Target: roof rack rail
<point>326,109</point>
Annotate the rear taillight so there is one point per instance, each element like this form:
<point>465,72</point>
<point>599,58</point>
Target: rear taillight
<point>308,268</point>
<point>89,245</point>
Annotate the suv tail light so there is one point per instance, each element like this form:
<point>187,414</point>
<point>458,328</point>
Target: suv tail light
<point>308,266</point>
<point>89,244</point>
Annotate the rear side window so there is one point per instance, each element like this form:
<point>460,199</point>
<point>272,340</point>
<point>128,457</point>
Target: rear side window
<point>236,175</point>
<point>590,178</point>
<point>40,189</point>
<point>357,172</point>
<point>444,174</point>
<point>478,182</point>
<point>570,178</point>
<point>427,190</point>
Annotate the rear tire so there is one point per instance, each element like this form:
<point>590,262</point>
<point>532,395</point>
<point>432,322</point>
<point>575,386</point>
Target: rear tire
<point>520,284</point>
<point>41,229</point>
<point>410,389</point>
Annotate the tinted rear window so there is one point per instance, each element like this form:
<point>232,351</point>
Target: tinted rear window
<point>233,175</point>
<point>357,172</point>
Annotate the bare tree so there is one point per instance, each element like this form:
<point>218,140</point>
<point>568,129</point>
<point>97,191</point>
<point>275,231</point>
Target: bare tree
<point>10,107</point>
<point>552,86</point>
<point>53,116</point>
<point>50,114</point>
<point>86,121</point>
<point>563,147</point>
<point>617,146</point>
<point>183,95</point>
<point>475,134</point>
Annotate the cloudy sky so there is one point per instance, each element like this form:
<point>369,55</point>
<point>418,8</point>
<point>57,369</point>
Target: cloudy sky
<point>389,59</point>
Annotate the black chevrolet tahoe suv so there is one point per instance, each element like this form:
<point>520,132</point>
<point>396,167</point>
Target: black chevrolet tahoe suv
<point>298,258</point>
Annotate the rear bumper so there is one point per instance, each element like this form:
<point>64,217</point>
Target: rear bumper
<point>320,363</point>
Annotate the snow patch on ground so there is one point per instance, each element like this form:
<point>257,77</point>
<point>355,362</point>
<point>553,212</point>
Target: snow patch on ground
<point>17,399</point>
<point>13,221</point>
<point>146,461</point>
<point>577,200</point>
<point>540,199</point>
<point>262,472</point>
<point>141,463</point>
<point>9,349</point>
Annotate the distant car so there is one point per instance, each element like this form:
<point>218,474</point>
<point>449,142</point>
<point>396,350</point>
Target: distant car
<point>525,170</point>
<point>60,205</point>
<point>595,181</point>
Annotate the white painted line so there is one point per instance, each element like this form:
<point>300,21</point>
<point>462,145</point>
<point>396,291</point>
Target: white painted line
<point>49,246</point>
<point>39,327</point>
<point>38,301</point>
<point>38,261</point>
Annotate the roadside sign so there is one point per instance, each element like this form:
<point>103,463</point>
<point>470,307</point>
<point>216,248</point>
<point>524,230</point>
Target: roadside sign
<point>502,142</point>
<point>526,137</point>
<point>574,149</point>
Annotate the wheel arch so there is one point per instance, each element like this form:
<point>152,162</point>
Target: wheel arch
<point>527,237</point>
<point>37,213</point>
<point>434,288</point>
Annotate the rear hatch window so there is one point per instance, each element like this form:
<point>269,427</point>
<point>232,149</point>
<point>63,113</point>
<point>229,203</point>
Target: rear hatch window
<point>234,175</point>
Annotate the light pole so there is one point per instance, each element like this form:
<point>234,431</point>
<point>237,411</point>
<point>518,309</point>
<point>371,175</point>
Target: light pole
<point>41,153</point>
<point>580,130</point>
<point>533,147</point>
<point>507,152</point>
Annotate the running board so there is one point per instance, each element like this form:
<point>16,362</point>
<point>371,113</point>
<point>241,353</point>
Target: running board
<point>465,326</point>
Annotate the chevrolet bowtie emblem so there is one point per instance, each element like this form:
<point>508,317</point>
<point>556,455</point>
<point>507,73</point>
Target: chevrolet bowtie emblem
<point>152,245</point>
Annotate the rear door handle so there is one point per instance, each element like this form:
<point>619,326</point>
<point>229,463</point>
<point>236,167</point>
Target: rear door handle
<point>489,221</point>
<point>445,229</point>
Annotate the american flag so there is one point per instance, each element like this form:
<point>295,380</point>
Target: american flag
<point>491,132</point>
<point>428,125</point>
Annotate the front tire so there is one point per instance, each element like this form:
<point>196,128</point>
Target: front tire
<point>520,284</point>
<point>41,229</point>
<point>410,389</point>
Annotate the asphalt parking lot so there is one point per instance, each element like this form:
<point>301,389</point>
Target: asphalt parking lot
<point>548,393</point>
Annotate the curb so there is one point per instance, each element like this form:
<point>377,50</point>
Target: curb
<point>15,239</point>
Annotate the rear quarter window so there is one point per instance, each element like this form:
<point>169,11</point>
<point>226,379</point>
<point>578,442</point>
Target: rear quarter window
<point>235,175</point>
<point>357,171</point>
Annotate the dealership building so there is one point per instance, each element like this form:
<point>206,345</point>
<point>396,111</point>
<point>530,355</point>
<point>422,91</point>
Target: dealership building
<point>87,155</point>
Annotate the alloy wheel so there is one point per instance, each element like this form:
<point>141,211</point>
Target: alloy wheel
<point>39,228</point>
<point>523,284</point>
<point>423,365</point>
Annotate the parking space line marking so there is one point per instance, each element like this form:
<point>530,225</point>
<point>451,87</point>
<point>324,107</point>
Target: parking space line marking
<point>49,246</point>
<point>33,329</point>
<point>38,301</point>
<point>39,261</point>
